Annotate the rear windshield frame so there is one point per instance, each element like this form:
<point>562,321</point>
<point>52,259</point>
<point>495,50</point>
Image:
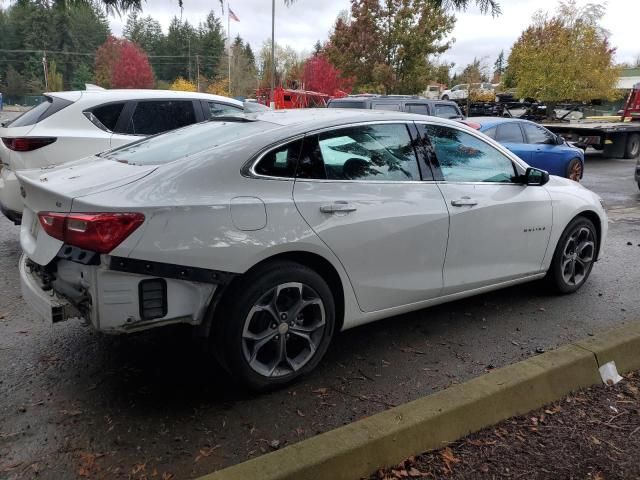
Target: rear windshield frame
<point>55,105</point>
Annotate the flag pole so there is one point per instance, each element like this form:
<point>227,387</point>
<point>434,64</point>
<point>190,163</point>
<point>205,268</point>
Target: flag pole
<point>273,54</point>
<point>229,43</point>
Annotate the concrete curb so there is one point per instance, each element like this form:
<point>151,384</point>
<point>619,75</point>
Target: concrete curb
<point>358,449</point>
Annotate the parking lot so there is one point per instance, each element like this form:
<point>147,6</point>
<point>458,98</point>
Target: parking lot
<point>79,404</point>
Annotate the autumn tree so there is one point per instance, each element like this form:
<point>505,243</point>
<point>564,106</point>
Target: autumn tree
<point>182,85</point>
<point>563,57</point>
<point>132,69</point>
<point>385,44</point>
<point>122,64</point>
<point>320,76</point>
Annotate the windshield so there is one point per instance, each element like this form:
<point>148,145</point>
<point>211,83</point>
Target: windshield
<point>184,142</point>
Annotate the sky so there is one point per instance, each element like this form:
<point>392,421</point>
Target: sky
<point>307,21</point>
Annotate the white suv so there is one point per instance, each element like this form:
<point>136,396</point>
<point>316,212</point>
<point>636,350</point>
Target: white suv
<point>71,125</point>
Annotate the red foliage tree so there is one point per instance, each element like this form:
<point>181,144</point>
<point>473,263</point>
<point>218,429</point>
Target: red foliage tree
<point>106,58</point>
<point>321,76</point>
<point>122,64</point>
<point>132,69</point>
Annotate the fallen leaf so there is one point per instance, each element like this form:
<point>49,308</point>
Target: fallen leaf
<point>414,472</point>
<point>300,413</point>
<point>595,440</point>
<point>449,459</point>
<point>205,452</point>
<point>402,473</point>
<point>320,391</point>
<point>167,476</point>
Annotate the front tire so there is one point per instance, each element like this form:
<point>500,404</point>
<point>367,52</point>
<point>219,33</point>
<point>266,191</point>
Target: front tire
<point>445,97</point>
<point>574,256</point>
<point>276,325</point>
<point>574,170</point>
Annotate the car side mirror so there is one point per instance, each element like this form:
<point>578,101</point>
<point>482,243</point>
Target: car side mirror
<point>559,140</point>
<point>535,176</point>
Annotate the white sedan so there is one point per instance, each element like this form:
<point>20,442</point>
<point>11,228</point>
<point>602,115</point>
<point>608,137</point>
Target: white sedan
<point>71,125</point>
<point>271,232</point>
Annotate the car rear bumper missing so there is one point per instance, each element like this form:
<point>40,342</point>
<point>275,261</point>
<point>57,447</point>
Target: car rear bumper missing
<point>46,303</point>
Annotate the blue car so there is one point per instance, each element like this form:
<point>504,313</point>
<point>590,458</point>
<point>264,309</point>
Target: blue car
<point>534,144</point>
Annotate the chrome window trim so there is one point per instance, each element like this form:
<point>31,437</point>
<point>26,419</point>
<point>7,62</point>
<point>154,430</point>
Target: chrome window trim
<point>251,173</point>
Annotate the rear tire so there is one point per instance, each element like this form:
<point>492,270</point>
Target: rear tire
<point>275,326</point>
<point>632,148</point>
<point>574,169</point>
<point>445,97</point>
<point>574,256</point>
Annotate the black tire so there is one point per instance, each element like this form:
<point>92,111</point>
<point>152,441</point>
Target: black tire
<point>247,295</point>
<point>445,97</point>
<point>574,170</point>
<point>632,148</point>
<point>557,273</point>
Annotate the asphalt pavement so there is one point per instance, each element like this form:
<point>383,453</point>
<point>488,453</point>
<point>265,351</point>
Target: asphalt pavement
<point>78,404</point>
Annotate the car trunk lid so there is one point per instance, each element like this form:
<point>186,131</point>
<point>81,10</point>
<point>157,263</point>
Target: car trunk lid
<point>54,189</point>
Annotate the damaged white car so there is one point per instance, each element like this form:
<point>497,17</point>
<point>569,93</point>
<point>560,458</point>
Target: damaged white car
<point>271,232</point>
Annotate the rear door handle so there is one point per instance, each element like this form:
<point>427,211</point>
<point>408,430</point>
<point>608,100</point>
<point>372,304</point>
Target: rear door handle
<point>338,207</point>
<point>464,202</point>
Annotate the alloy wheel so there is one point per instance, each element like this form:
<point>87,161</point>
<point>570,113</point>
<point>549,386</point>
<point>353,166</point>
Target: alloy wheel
<point>283,330</point>
<point>578,255</point>
<point>575,173</point>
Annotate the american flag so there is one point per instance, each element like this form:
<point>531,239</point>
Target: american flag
<point>232,15</point>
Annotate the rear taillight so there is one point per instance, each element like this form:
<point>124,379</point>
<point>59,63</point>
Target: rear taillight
<point>27,144</point>
<point>97,232</point>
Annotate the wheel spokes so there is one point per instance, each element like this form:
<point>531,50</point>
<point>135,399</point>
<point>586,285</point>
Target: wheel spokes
<point>283,331</point>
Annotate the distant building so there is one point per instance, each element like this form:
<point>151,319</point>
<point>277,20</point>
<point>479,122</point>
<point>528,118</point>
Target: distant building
<point>628,78</point>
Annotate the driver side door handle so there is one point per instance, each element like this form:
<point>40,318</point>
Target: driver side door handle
<point>338,207</point>
<point>464,202</point>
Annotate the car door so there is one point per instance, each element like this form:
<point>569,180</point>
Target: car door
<point>499,229</point>
<point>359,188</point>
<point>546,154</point>
<point>150,117</point>
<point>509,134</point>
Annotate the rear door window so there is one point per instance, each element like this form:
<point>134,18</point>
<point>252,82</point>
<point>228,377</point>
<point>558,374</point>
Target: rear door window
<point>394,107</point>
<point>346,105</point>
<point>106,117</point>
<point>217,108</point>
<point>537,134</point>
<point>509,133</point>
<point>446,111</point>
<point>369,152</point>
<point>38,113</point>
<point>420,108</point>
<point>157,116</point>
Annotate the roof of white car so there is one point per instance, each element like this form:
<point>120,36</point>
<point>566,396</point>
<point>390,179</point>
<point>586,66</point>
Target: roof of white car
<point>321,117</point>
<point>138,94</point>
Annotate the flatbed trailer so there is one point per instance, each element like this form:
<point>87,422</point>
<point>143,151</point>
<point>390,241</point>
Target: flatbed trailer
<point>615,139</point>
